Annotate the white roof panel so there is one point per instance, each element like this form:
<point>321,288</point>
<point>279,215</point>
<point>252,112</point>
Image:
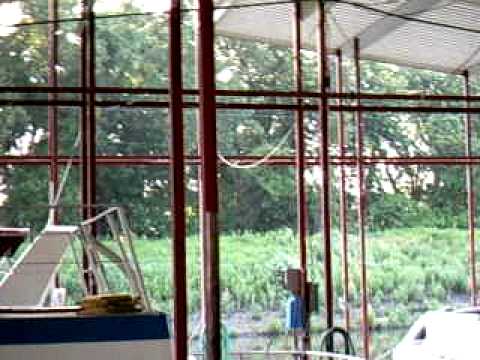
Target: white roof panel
<point>257,24</point>
<point>441,35</point>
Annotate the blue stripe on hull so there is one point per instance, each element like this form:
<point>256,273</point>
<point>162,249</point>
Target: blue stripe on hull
<point>55,330</point>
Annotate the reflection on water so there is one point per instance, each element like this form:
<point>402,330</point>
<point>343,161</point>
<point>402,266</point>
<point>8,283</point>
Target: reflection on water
<point>381,341</point>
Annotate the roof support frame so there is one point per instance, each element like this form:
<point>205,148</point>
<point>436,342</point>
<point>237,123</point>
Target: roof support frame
<point>381,28</point>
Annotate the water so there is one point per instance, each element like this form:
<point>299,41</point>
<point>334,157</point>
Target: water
<point>380,342</point>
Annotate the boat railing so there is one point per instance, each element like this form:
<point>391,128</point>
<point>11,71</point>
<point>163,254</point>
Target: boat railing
<point>124,256</point>
<point>283,354</point>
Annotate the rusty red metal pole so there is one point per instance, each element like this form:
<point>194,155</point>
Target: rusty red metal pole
<point>300,144</point>
<point>246,93</point>
<point>324,159</point>
<point>83,122</point>
<point>52,110</point>
<point>84,108</point>
<point>362,197</point>
<point>471,203</point>
<point>343,192</point>
<point>91,120</point>
<point>240,93</point>
<point>87,122</point>
<point>249,105</point>
<point>177,181</point>
<point>164,160</point>
<point>208,152</point>
<point>88,131</point>
<point>300,160</point>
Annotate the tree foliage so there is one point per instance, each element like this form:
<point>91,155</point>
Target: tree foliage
<point>133,52</point>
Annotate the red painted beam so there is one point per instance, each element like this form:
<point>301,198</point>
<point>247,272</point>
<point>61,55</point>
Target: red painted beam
<point>300,160</point>
<point>300,143</point>
<point>209,185</point>
<point>341,137</point>
<point>249,106</point>
<point>323,109</point>
<point>471,197</point>
<point>87,124</point>
<point>362,205</point>
<point>164,160</point>
<point>91,130</point>
<point>177,181</point>
<point>52,110</point>
<point>239,93</point>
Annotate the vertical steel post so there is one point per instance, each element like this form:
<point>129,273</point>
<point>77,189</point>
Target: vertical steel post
<point>52,110</point>
<point>300,144</point>
<point>362,197</point>
<point>300,157</point>
<point>87,121</point>
<point>323,82</point>
<point>208,152</point>
<point>83,123</point>
<point>470,195</point>
<point>177,181</point>
<point>91,121</point>
<point>343,191</point>
<point>88,108</point>
<point>83,112</point>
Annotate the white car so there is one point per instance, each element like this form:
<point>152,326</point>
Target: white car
<point>442,335</point>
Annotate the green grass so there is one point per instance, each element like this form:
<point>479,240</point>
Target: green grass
<point>408,269</point>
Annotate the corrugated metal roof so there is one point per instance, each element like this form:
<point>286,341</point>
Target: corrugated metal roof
<point>441,35</point>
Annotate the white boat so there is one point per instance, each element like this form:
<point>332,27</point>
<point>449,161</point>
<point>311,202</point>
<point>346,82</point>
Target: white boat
<point>32,329</point>
<point>449,334</point>
<point>68,336</point>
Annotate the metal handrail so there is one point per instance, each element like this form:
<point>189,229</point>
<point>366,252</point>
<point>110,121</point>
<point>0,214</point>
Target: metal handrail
<point>100,216</point>
<point>278,353</point>
<point>129,263</point>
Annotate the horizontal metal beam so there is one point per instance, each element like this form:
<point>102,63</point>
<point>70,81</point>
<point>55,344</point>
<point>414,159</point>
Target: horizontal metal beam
<point>249,106</point>
<point>233,93</point>
<point>164,160</point>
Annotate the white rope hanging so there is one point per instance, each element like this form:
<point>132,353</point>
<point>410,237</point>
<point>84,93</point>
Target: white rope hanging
<point>260,161</point>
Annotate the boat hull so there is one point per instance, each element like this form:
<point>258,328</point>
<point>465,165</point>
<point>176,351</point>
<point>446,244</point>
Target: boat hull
<point>66,337</point>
